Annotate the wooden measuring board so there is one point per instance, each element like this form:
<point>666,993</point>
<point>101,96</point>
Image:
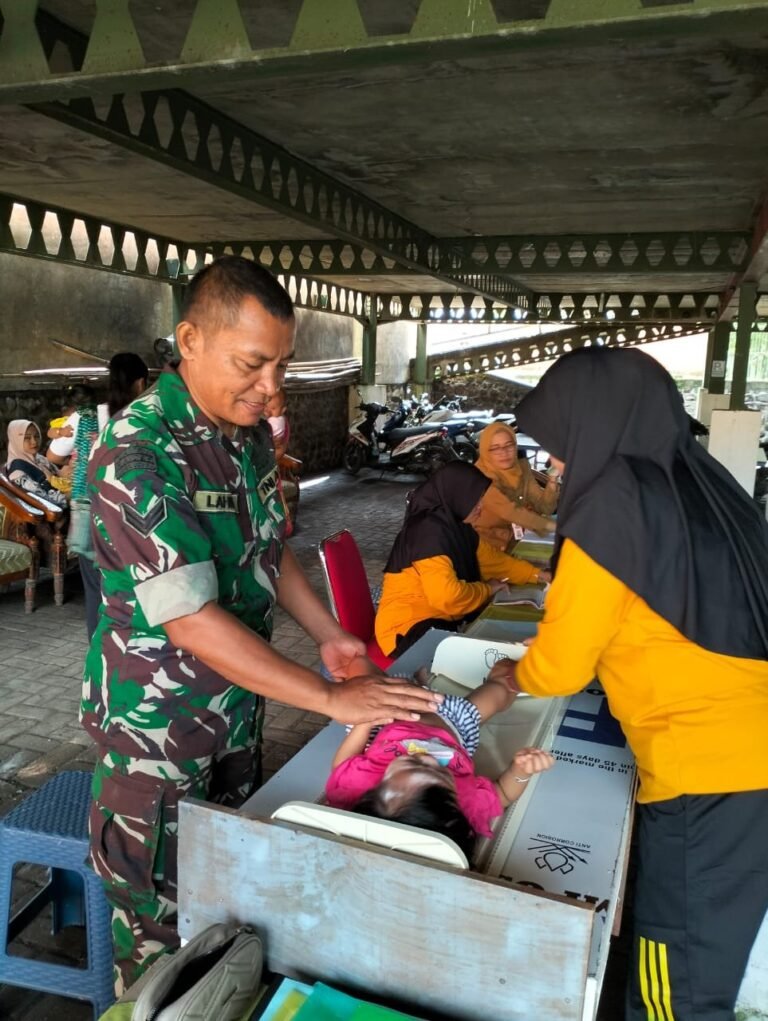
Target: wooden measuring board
<point>568,834</point>
<point>311,891</point>
<point>467,660</point>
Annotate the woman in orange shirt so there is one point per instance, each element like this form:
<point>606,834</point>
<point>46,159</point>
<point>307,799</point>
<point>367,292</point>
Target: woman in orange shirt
<point>515,497</point>
<point>439,573</point>
<point>661,590</point>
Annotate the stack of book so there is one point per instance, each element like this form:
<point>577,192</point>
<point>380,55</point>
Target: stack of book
<point>520,595</point>
<point>296,1001</point>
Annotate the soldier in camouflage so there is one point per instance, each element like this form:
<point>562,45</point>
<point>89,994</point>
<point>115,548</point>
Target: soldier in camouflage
<point>188,533</point>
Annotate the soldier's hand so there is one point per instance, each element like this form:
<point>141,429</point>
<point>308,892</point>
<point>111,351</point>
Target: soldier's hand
<point>345,657</point>
<point>379,700</point>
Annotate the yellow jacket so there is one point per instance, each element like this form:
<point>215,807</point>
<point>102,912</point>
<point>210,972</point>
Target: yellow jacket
<point>430,588</point>
<point>696,721</point>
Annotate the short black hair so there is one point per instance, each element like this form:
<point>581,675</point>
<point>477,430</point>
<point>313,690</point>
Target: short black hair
<point>431,808</point>
<point>124,369</point>
<point>80,396</point>
<point>216,293</point>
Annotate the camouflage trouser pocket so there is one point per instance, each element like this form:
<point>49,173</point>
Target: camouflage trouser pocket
<point>126,823</point>
<point>235,775</point>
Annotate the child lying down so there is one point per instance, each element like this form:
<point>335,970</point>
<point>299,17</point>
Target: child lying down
<point>422,773</point>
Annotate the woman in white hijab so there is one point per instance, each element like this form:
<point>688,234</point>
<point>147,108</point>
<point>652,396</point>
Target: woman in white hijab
<point>26,467</point>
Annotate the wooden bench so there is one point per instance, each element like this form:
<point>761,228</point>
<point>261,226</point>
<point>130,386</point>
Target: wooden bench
<point>48,515</point>
<point>19,547</point>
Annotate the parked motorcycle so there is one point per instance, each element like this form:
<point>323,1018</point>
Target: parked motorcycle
<point>420,449</point>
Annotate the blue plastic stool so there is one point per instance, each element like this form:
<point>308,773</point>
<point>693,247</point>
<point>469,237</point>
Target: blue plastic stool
<point>51,828</point>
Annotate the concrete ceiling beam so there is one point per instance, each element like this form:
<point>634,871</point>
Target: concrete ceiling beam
<point>674,253</point>
<point>214,42</point>
<point>755,268</point>
<point>181,132</point>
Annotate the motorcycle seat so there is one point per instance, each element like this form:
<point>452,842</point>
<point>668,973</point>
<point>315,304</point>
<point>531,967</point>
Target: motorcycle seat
<point>405,432</point>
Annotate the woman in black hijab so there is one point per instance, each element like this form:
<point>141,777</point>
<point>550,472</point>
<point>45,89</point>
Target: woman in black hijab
<point>661,589</point>
<point>434,575</point>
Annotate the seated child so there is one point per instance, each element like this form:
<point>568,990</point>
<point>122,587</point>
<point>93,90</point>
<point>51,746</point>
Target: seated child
<point>281,432</point>
<point>278,423</point>
<point>422,773</point>
<point>63,432</point>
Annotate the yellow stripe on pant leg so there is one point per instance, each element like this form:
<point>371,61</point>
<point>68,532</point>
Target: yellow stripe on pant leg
<point>666,988</point>
<point>653,971</point>
<point>643,971</point>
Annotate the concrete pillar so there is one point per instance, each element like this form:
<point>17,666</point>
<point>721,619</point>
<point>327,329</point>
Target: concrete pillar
<point>420,364</point>
<point>733,440</point>
<point>368,372</point>
<point>747,300</point>
<point>177,292</point>
<point>717,359</point>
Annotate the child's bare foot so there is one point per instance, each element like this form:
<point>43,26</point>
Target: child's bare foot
<point>503,672</point>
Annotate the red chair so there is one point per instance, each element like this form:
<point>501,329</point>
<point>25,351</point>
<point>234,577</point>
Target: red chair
<point>349,593</point>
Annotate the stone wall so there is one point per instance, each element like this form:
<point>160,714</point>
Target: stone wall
<point>483,391</point>
<point>319,424</point>
<point>103,313</point>
<point>322,336</point>
<point>100,312</point>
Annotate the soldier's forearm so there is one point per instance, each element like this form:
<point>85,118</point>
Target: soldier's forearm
<point>231,649</point>
<point>296,596</point>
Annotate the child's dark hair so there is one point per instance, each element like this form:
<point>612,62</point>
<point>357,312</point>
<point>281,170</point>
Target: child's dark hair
<point>432,808</point>
<point>124,369</point>
<point>80,396</point>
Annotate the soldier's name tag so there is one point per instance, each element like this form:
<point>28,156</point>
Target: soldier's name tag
<point>212,501</point>
<point>268,485</point>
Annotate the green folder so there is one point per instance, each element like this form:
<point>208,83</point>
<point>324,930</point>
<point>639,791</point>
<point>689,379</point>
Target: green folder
<point>511,612</point>
<point>535,552</point>
<point>327,1004</point>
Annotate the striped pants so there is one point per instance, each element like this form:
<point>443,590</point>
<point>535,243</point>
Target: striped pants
<point>701,896</point>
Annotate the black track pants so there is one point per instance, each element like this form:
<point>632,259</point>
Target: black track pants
<point>701,896</point>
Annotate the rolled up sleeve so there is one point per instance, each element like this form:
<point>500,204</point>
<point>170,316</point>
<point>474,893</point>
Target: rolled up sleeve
<point>177,593</point>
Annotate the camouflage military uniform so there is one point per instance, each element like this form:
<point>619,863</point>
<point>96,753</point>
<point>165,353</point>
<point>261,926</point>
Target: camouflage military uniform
<point>182,516</point>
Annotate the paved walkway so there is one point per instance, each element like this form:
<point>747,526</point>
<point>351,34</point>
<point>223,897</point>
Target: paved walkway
<point>41,659</point>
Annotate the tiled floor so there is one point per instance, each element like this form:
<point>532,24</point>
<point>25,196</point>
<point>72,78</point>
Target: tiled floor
<point>41,659</point>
